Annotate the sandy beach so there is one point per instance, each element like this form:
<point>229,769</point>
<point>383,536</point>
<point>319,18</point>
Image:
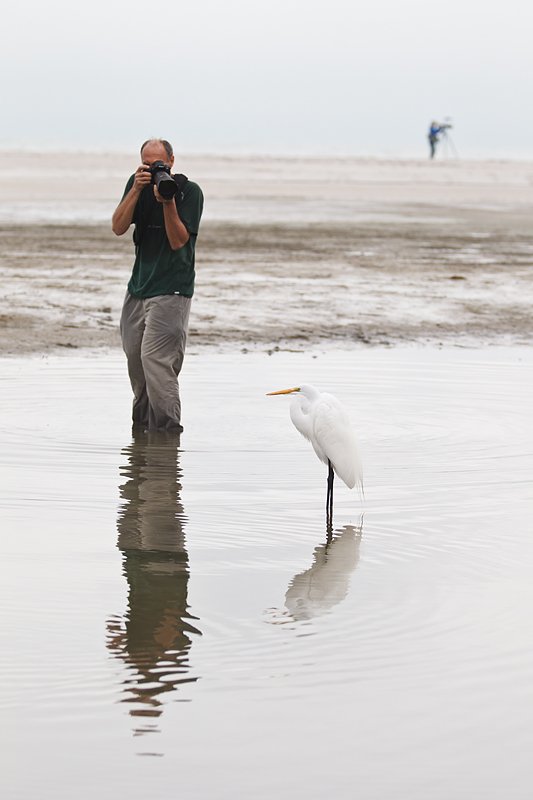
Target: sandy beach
<point>292,253</point>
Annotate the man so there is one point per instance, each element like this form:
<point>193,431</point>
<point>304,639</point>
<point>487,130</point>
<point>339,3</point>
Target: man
<point>433,135</point>
<point>155,315</point>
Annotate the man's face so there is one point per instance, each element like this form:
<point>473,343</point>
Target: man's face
<point>154,151</point>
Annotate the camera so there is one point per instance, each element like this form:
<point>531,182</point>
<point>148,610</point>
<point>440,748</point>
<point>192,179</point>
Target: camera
<point>163,180</point>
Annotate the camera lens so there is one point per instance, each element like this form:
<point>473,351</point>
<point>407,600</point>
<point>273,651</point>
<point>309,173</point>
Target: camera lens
<point>166,186</point>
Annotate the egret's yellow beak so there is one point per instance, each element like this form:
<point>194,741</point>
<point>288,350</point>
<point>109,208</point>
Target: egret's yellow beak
<point>284,391</point>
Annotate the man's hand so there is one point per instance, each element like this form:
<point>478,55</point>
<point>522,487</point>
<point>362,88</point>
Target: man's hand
<point>143,177</point>
<point>160,198</point>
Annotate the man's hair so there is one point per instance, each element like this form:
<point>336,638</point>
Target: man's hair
<point>168,147</point>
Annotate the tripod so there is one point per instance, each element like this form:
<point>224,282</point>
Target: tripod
<point>449,149</point>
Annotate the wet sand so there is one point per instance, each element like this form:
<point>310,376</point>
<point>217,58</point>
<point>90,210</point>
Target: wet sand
<point>292,253</point>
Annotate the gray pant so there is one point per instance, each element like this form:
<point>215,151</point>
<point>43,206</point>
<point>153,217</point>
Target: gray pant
<point>154,333</point>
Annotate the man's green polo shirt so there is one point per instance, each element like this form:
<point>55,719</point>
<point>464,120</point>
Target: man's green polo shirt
<point>158,269</point>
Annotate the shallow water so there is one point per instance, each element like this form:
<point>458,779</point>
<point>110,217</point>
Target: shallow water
<point>175,622</point>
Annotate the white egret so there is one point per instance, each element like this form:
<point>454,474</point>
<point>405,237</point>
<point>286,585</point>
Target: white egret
<point>323,421</point>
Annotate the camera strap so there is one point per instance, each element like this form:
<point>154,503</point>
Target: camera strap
<point>181,181</point>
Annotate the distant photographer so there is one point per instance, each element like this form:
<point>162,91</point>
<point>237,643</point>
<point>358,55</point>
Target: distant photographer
<point>166,210</point>
<point>433,135</point>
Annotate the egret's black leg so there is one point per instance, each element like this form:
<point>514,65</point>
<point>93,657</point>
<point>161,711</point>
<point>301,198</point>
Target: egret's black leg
<point>329,497</point>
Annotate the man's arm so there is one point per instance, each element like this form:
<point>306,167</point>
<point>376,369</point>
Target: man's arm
<point>177,233</point>
<point>123,216</point>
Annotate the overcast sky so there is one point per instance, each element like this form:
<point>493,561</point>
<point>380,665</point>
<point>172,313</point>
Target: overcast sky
<point>284,76</point>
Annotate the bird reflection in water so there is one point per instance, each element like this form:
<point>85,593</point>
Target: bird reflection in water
<point>326,583</point>
<point>154,636</point>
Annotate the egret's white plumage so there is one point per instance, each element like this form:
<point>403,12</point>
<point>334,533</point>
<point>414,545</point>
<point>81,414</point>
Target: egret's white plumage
<point>323,421</point>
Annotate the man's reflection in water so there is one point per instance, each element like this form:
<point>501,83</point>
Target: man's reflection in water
<point>326,583</point>
<point>154,636</point>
